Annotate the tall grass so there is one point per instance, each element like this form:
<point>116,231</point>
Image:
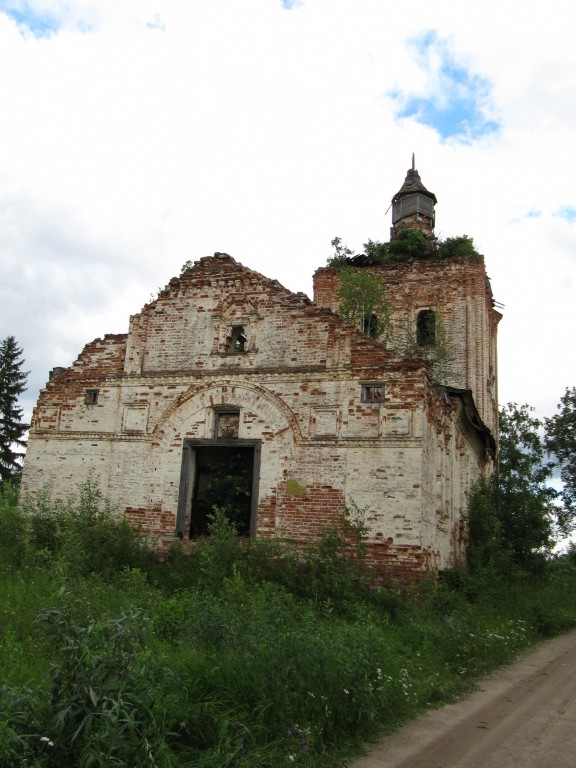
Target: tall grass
<point>232,655</point>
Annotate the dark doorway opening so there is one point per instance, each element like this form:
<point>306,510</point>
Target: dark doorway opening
<point>223,478</point>
<point>223,473</point>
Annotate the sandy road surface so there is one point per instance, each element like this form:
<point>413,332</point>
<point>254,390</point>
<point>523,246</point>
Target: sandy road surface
<point>524,715</point>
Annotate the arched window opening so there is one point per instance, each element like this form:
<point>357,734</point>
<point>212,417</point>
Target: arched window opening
<point>370,326</point>
<point>426,328</point>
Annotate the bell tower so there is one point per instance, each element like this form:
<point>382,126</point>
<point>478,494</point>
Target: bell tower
<point>413,206</point>
<point>446,304</point>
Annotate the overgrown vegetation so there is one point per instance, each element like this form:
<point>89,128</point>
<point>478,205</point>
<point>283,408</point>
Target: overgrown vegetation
<point>245,654</point>
<point>364,303</point>
<point>409,243</point>
<point>437,347</point>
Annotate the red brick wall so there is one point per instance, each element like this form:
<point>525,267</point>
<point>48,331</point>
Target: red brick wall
<point>407,461</point>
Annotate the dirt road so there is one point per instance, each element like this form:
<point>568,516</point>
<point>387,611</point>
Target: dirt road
<point>524,715</point>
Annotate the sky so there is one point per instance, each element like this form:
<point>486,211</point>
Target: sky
<point>136,135</point>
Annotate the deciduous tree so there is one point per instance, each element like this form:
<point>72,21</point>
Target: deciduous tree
<point>561,442</point>
<point>527,513</point>
<point>518,517</point>
<point>364,302</point>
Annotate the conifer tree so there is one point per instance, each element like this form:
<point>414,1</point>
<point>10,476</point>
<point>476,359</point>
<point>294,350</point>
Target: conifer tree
<point>12,428</point>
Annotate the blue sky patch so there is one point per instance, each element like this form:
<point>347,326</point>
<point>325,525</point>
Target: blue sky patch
<point>456,100</point>
<point>157,23</point>
<point>38,24</point>
<point>289,4</point>
<point>533,213</point>
<point>567,212</point>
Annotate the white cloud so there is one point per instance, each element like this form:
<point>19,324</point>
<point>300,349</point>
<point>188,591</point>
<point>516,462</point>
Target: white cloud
<point>451,98</point>
<point>138,134</point>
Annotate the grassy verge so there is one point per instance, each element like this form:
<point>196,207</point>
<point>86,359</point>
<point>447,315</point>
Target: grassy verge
<point>233,656</point>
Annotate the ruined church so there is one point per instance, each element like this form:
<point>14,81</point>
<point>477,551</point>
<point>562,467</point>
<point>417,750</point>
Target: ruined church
<point>231,391</point>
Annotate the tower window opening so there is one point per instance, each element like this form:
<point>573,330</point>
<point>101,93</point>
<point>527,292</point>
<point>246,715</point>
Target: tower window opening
<point>238,339</point>
<point>370,326</point>
<point>426,328</point>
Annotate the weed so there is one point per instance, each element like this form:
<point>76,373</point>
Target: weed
<point>244,654</point>
<point>12,528</point>
<point>102,710</point>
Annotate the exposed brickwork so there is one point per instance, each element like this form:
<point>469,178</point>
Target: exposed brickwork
<point>295,395</point>
<point>459,291</point>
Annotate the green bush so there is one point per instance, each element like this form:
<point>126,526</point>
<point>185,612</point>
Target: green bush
<point>377,252</point>
<point>103,712</point>
<point>46,519</point>
<point>97,540</point>
<point>78,535</point>
<point>22,742</point>
<point>409,244</point>
<point>218,554</point>
<point>456,246</point>
<point>12,528</point>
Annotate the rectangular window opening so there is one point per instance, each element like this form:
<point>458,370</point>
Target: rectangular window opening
<point>372,392</point>
<point>226,423</point>
<point>91,396</point>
